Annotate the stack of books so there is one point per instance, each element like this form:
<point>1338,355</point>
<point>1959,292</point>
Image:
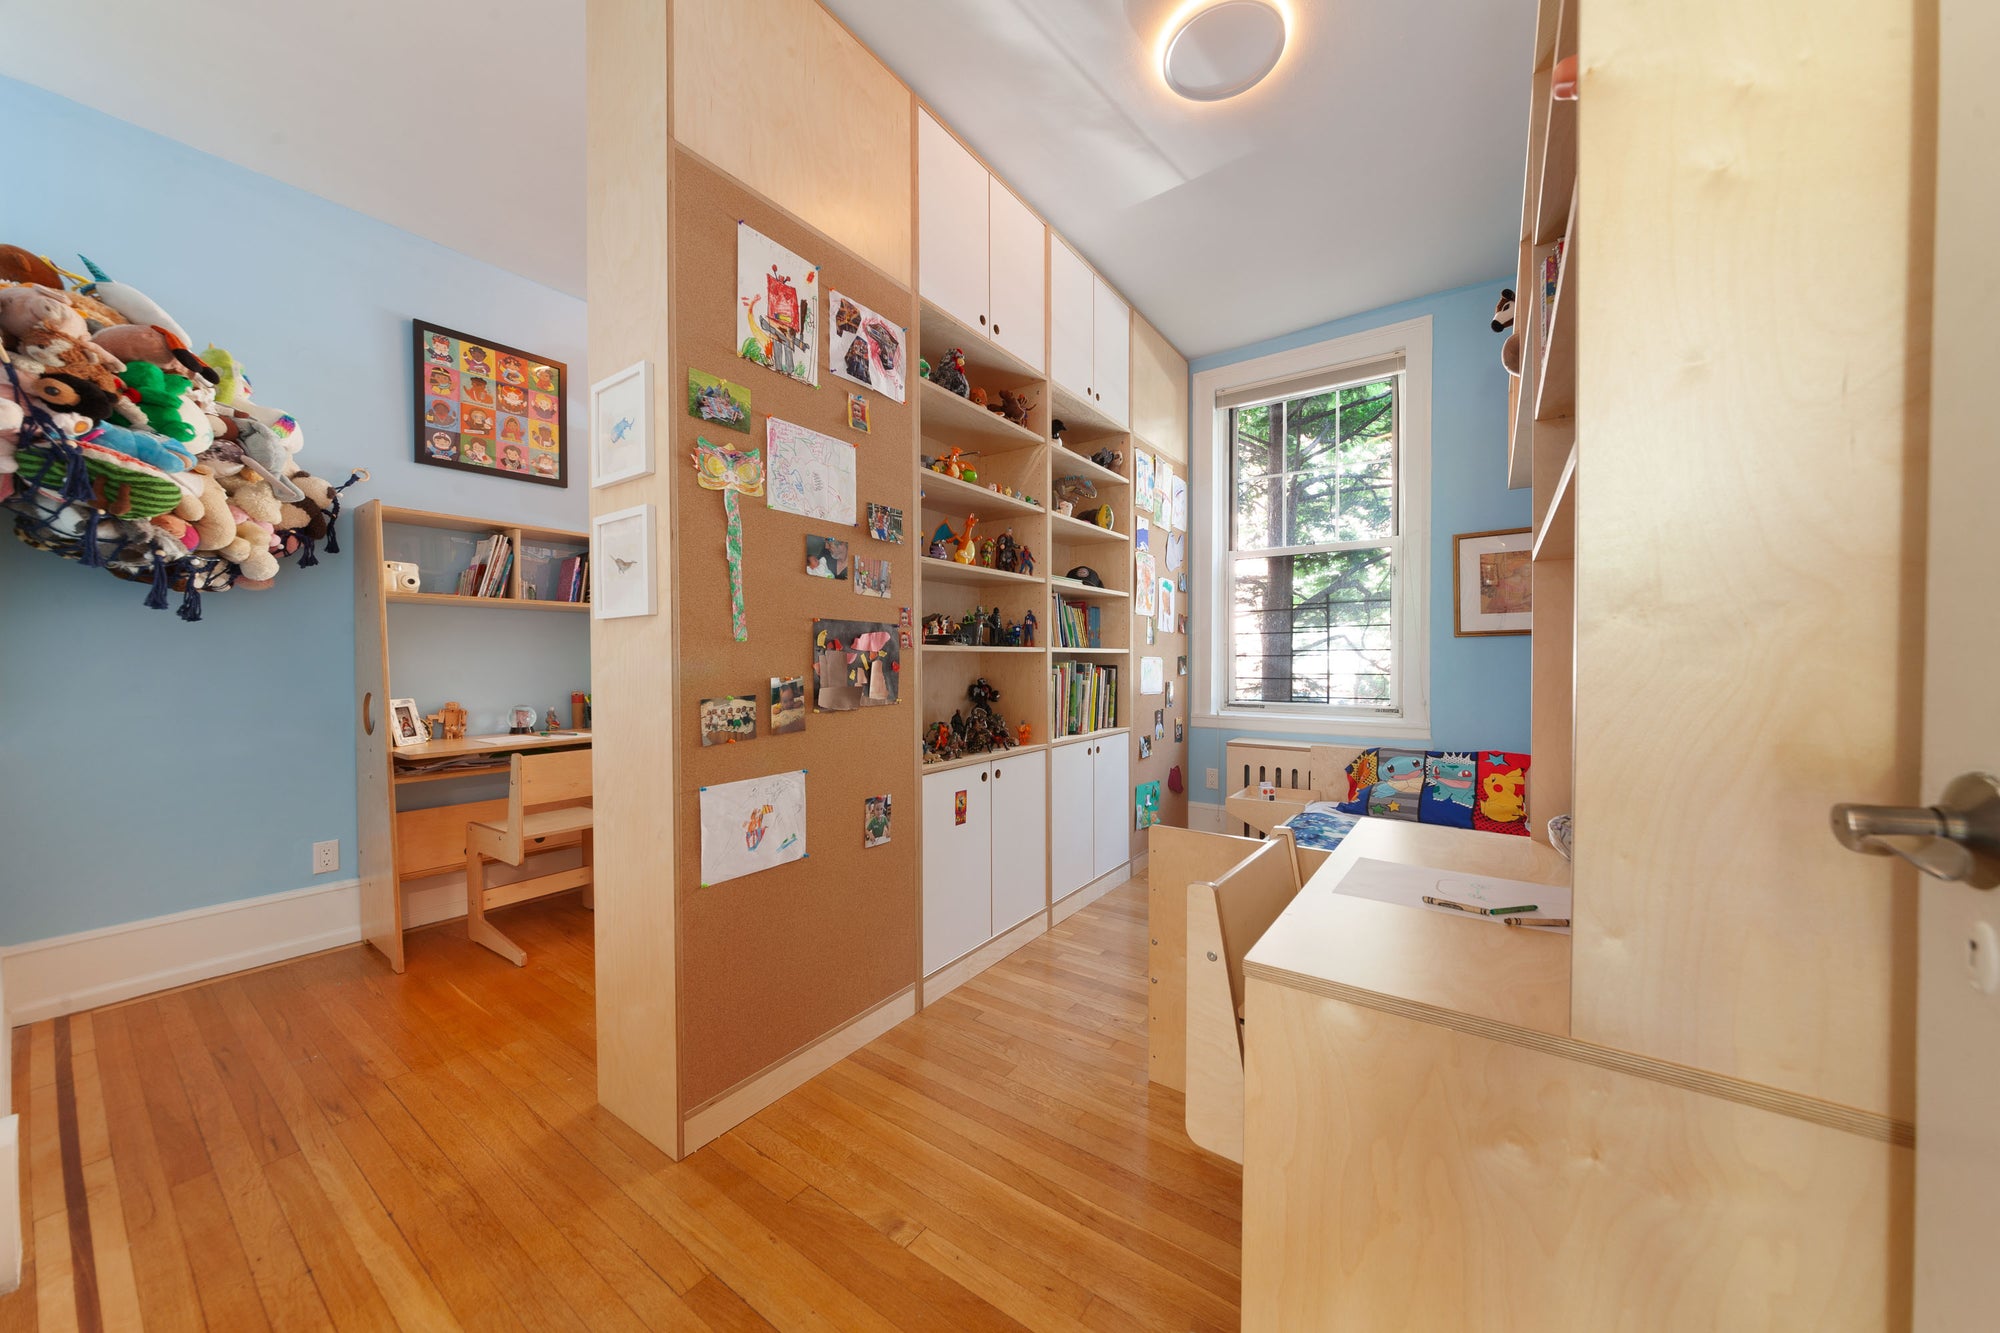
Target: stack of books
<point>573,580</point>
<point>1078,625</point>
<point>486,576</point>
<point>1086,697</point>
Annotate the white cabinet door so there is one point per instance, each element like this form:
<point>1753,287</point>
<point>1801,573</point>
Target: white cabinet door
<point>1112,389</point>
<point>1113,805</point>
<point>1072,823</point>
<point>951,224</point>
<point>1072,305</point>
<point>958,856</point>
<point>1016,275</point>
<point>1020,838</point>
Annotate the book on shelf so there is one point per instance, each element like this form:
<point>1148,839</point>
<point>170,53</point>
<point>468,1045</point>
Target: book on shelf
<point>1086,697</point>
<point>1078,625</point>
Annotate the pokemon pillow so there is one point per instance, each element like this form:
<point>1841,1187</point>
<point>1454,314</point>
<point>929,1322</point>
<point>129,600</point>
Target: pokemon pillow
<point>1500,802</point>
<point>1361,774</point>
<point>1449,777</point>
<point>1399,781</point>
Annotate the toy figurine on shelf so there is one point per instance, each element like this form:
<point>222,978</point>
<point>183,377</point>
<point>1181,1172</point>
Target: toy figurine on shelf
<point>966,553</point>
<point>976,396</point>
<point>989,552</point>
<point>1028,627</point>
<point>448,723</point>
<point>940,548</point>
<point>940,629</point>
<point>1056,429</point>
<point>994,635</point>
<point>950,372</point>
<point>1108,459</point>
<point>1025,560</point>
<point>1013,405</point>
<point>1007,553</point>
<point>1022,735</point>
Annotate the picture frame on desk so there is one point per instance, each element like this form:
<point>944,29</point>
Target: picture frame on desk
<point>624,581</point>
<point>406,725</point>
<point>621,426</point>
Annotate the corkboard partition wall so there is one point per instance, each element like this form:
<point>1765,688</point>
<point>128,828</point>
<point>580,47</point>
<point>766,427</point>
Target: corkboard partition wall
<point>775,960</point>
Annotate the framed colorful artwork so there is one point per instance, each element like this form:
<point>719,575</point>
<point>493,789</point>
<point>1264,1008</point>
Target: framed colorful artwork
<point>483,406</point>
<point>1492,583</point>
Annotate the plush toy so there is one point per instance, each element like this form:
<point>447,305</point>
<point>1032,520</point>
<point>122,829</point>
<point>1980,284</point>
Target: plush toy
<point>133,304</point>
<point>144,445</point>
<point>46,333</point>
<point>1562,80</point>
<point>1503,311</point>
<point>950,372</point>
<point>160,397</point>
<point>1014,406</point>
<point>206,506</point>
<point>23,266</point>
<point>266,453</point>
<point>62,391</point>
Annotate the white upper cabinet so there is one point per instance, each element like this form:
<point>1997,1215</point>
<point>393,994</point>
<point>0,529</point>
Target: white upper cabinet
<point>952,204</point>
<point>1016,269</point>
<point>1073,304</point>
<point>1113,344</point>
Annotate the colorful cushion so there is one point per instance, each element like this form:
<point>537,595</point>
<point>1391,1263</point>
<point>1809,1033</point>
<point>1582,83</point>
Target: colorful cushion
<point>1448,781</point>
<point>1500,804</point>
<point>1362,773</point>
<point>1319,830</point>
<point>1399,782</point>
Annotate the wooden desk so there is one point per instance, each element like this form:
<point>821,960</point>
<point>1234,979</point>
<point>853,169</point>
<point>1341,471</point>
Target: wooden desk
<point>1425,1146</point>
<point>500,745</point>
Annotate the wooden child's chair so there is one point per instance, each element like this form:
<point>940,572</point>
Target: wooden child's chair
<point>548,795</point>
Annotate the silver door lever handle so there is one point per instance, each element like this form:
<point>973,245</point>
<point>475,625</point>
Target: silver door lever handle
<point>1956,839</point>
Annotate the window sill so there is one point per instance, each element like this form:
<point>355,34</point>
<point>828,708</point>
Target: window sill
<point>1278,722</point>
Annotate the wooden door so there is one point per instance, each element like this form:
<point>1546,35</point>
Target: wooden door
<point>1072,310</point>
<point>1112,802</point>
<point>1072,819</point>
<point>958,855</point>
<point>1113,354</point>
<point>1958,1024</point>
<point>1016,274</point>
<point>951,224</point>
<point>1020,838</point>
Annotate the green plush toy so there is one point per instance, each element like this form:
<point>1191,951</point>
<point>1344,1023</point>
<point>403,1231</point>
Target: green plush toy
<point>160,396</point>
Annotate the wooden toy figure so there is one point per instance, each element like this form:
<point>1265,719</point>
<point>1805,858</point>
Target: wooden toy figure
<point>448,723</point>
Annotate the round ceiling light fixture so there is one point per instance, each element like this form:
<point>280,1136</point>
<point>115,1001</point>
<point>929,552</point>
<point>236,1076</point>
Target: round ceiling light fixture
<point>1224,50</point>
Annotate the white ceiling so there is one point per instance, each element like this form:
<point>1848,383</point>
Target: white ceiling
<point>1381,160</point>
<point>461,122</point>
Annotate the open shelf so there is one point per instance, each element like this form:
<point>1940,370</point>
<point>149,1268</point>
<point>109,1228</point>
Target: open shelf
<point>951,420</point>
<point>941,329</point>
<point>439,775</point>
<point>950,571</point>
<point>423,518</point>
<point>1074,410</point>
<point>1555,536</point>
<point>495,603</point>
<point>1555,381</point>
<point>971,648</point>
<point>1090,652</point>
<point>1090,735</point>
<point>941,490</point>
<point>1558,172</point>
<point>1076,530</point>
<point>1066,462</point>
<point>973,760</point>
<point>1071,588</point>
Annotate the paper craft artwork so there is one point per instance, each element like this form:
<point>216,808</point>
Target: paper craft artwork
<point>1177,503</point>
<point>1166,606</point>
<point>777,295</point>
<point>1152,675</point>
<point>486,407</point>
<point>1163,484</point>
<point>1146,804</point>
<point>1145,584</point>
<point>811,474</point>
<point>788,704</point>
<point>871,578</point>
<point>885,523</point>
<point>865,347</point>
<point>874,821</point>
<point>857,412</point>
<point>1176,550</point>
<point>719,401</point>
<point>727,720</point>
<point>752,825</point>
<point>733,472</point>
<point>1142,482</point>
<point>1142,532</point>
<point>856,664</point>
<point>826,557</point>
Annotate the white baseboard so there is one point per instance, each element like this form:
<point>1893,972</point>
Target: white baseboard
<point>718,1115</point>
<point>70,973</point>
<point>10,1203</point>
<point>1203,818</point>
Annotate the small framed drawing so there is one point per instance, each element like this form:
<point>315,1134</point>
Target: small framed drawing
<point>1492,583</point>
<point>623,582</point>
<point>621,425</point>
<point>406,724</point>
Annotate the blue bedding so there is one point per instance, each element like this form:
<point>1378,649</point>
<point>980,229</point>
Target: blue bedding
<point>1321,830</point>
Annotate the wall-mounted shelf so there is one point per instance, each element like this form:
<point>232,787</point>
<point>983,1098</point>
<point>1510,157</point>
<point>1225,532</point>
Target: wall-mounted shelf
<point>950,571</point>
<point>977,648</point>
<point>1090,652</point>
<point>951,420</point>
<point>1099,734</point>
<point>941,490</point>
<point>1072,588</point>
<point>496,603</point>
<point>1076,530</point>
<point>974,760</point>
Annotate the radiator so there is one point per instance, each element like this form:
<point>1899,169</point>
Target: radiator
<point>1287,765</point>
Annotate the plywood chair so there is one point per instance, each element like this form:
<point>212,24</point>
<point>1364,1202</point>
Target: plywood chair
<point>1224,919</point>
<point>548,795</point>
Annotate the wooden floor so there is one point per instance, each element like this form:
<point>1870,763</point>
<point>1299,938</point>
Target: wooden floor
<point>326,1144</point>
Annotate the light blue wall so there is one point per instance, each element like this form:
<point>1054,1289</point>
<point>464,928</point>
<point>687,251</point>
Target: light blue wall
<point>150,765</point>
<point>1479,687</point>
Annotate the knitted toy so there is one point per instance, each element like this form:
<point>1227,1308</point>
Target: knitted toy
<point>950,372</point>
<point>160,396</point>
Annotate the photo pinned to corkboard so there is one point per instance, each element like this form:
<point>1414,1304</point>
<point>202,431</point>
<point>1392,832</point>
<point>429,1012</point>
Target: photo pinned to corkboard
<point>871,577</point>
<point>1492,583</point>
<point>788,705</point>
<point>885,523</point>
<point>717,400</point>
<point>482,406</point>
<point>874,821</point>
<point>728,720</point>
<point>857,412</point>
<point>826,557</point>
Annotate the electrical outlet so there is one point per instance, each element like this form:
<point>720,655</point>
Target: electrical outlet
<point>326,857</point>
<point>1211,779</point>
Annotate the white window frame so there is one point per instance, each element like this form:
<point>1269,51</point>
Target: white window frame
<point>1410,605</point>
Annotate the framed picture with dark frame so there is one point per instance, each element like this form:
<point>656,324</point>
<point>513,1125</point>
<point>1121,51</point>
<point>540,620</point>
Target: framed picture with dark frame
<point>1492,583</point>
<point>483,406</point>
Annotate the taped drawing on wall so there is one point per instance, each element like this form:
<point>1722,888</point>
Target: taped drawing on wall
<point>752,825</point>
<point>864,347</point>
<point>811,474</point>
<point>777,298</point>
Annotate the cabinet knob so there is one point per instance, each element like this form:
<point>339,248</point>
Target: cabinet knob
<point>982,777</point>
<point>982,321</point>
<point>996,328</point>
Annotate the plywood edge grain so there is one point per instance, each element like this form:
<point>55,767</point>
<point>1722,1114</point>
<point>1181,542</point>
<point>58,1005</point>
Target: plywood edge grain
<point>955,974</point>
<point>1851,1120</point>
<point>720,1114</point>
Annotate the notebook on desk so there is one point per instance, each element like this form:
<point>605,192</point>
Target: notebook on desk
<point>1408,886</point>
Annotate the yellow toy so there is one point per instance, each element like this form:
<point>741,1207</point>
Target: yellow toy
<point>1501,802</point>
<point>968,550</point>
